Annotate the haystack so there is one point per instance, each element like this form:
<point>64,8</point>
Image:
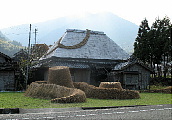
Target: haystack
<point>56,93</point>
<point>111,85</point>
<point>60,75</point>
<point>106,93</point>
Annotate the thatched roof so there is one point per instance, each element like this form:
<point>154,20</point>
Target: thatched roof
<point>86,44</point>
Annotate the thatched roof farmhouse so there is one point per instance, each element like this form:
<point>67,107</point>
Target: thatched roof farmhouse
<point>90,55</point>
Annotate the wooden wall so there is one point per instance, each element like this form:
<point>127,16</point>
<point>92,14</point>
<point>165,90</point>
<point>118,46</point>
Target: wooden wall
<point>80,75</point>
<point>133,77</point>
<point>7,81</point>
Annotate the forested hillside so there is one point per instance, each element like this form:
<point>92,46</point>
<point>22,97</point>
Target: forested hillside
<point>9,47</point>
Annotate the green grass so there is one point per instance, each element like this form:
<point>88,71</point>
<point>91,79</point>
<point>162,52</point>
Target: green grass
<point>18,100</point>
<point>155,87</point>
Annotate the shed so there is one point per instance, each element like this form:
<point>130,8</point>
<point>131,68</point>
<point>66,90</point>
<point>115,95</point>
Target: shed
<point>132,75</point>
<point>7,73</point>
<point>89,55</point>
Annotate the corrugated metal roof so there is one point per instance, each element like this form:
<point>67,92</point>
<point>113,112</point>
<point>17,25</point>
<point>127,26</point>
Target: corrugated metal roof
<point>98,46</point>
<point>122,66</point>
<point>119,66</point>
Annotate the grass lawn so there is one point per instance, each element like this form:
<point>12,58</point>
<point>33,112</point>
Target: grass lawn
<point>18,100</point>
<point>156,87</point>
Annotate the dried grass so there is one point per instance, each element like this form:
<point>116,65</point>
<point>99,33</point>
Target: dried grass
<point>40,82</point>
<point>106,93</point>
<point>57,93</point>
<point>76,97</point>
<point>60,75</point>
<point>167,90</point>
<point>111,85</point>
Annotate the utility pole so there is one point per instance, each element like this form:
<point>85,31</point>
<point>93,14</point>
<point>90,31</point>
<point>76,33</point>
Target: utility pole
<point>28,58</point>
<point>35,46</point>
<point>35,34</point>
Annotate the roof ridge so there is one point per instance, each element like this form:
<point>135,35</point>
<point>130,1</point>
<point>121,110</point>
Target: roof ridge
<point>84,31</point>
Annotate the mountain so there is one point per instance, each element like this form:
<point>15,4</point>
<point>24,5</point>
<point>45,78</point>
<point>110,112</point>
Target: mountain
<point>8,47</point>
<point>123,32</point>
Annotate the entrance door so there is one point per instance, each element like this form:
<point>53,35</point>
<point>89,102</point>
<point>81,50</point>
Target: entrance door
<point>131,81</point>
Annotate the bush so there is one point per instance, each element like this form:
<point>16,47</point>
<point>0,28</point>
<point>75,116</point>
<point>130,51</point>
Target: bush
<point>55,92</point>
<point>106,93</point>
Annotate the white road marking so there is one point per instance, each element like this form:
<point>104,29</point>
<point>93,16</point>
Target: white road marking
<point>92,114</point>
<point>143,110</point>
<point>118,112</point>
<point>49,117</point>
<point>159,109</point>
<point>106,113</point>
<point>133,111</point>
<point>168,108</point>
<point>81,115</point>
<point>61,116</point>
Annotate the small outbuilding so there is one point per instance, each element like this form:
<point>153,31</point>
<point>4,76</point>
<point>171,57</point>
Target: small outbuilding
<point>7,73</point>
<point>132,75</point>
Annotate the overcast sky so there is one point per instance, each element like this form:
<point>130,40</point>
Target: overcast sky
<point>16,12</point>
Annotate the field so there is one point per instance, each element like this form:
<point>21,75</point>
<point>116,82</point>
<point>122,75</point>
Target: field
<point>18,100</point>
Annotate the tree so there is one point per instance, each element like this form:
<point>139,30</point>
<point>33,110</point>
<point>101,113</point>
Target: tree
<point>141,48</point>
<point>38,50</point>
<point>153,46</point>
<point>161,49</point>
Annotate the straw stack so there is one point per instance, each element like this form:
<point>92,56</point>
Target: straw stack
<point>111,85</point>
<point>60,75</point>
<point>106,93</point>
<point>56,93</point>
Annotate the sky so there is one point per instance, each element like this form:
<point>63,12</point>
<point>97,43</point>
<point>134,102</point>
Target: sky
<point>17,12</point>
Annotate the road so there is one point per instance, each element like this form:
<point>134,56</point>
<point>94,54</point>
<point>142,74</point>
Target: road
<point>153,112</point>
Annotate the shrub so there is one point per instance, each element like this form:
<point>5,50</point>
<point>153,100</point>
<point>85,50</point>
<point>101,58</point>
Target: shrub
<point>55,92</point>
<point>106,93</point>
<point>60,75</point>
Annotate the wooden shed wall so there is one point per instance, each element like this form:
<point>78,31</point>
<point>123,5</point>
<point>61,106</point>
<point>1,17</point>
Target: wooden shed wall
<point>132,77</point>
<point>7,81</point>
<point>141,80</point>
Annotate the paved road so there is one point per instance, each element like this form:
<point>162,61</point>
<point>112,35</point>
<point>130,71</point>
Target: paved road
<point>154,112</point>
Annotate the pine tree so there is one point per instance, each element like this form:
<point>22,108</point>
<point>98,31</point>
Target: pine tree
<point>153,46</point>
<point>141,48</point>
<point>161,43</point>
